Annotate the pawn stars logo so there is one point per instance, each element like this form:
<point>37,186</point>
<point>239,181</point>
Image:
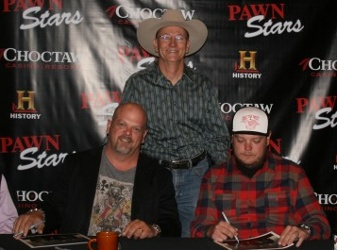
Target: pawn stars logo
<point>322,110</point>
<point>24,108</point>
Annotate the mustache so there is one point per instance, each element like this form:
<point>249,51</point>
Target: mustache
<point>125,138</point>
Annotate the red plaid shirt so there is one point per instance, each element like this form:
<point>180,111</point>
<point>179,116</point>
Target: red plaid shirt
<point>279,194</point>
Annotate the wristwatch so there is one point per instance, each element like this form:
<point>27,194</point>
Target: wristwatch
<point>306,228</point>
<point>157,228</point>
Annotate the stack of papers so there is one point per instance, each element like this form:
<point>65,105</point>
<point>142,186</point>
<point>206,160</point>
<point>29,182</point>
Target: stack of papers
<point>266,241</point>
<point>49,240</point>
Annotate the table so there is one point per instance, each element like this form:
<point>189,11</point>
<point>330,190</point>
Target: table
<point>7,242</point>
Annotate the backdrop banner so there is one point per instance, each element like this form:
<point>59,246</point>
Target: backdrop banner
<point>63,66</point>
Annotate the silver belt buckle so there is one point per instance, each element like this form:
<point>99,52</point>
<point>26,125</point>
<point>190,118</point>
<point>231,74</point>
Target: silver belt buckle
<point>183,162</point>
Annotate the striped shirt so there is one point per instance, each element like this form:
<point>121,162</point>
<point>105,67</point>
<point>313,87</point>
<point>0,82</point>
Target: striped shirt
<point>183,119</point>
<point>8,212</point>
<point>279,194</point>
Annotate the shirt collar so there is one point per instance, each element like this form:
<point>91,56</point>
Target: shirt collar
<point>187,75</point>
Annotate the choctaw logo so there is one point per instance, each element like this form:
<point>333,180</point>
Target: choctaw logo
<point>319,67</point>
<point>250,121</point>
<point>46,60</point>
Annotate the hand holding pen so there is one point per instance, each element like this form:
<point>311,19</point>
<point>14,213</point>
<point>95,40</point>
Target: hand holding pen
<point>32,221</point>
<point>32,228</point>
<point>226,219</point>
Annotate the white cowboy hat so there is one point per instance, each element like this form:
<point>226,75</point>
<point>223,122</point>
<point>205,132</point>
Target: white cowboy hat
<point>148,29</point>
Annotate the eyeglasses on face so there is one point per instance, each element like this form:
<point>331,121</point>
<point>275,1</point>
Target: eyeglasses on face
<point>167,37</point>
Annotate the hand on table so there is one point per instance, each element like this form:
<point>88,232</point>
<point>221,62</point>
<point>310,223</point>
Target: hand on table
<point>293,234</point>
<point>138,229</point>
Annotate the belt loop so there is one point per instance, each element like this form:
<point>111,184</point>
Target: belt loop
<point>190,163</point>
<point>169,168</point>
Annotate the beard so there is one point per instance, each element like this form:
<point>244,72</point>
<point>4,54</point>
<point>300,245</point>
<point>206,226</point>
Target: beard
<point>123,145</point>
<point>256,164</point>
<point>123,150</point>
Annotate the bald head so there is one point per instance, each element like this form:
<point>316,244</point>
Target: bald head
<point>127,130</point>
<point>130,107</point>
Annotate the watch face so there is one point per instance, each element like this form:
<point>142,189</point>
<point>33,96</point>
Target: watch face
<point>306,228</point>
<point>157,228</point>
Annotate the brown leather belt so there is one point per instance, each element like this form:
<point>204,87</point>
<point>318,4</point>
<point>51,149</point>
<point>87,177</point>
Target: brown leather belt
<point>183,164</point>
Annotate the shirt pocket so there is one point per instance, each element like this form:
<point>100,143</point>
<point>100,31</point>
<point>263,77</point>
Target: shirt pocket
<point>277,206</point>
<point>226,203</point>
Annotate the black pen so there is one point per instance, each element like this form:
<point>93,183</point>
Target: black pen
<point>32,229</point>
<point>226,219</point>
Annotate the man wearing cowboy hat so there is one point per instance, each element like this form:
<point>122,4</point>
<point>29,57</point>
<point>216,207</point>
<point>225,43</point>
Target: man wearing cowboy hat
<point>186,129</point>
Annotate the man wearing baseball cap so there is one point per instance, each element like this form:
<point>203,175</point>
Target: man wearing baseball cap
<point>257,191</point>
<point>186,128</point>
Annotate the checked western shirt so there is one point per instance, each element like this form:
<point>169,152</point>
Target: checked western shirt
<point>183,119</point>
<point>278,195</point>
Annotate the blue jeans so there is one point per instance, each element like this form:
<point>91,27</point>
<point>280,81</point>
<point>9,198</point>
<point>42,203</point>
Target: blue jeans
<point>187,185</point>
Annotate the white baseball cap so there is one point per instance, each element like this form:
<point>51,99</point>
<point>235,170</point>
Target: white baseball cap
<point>250,120</point>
